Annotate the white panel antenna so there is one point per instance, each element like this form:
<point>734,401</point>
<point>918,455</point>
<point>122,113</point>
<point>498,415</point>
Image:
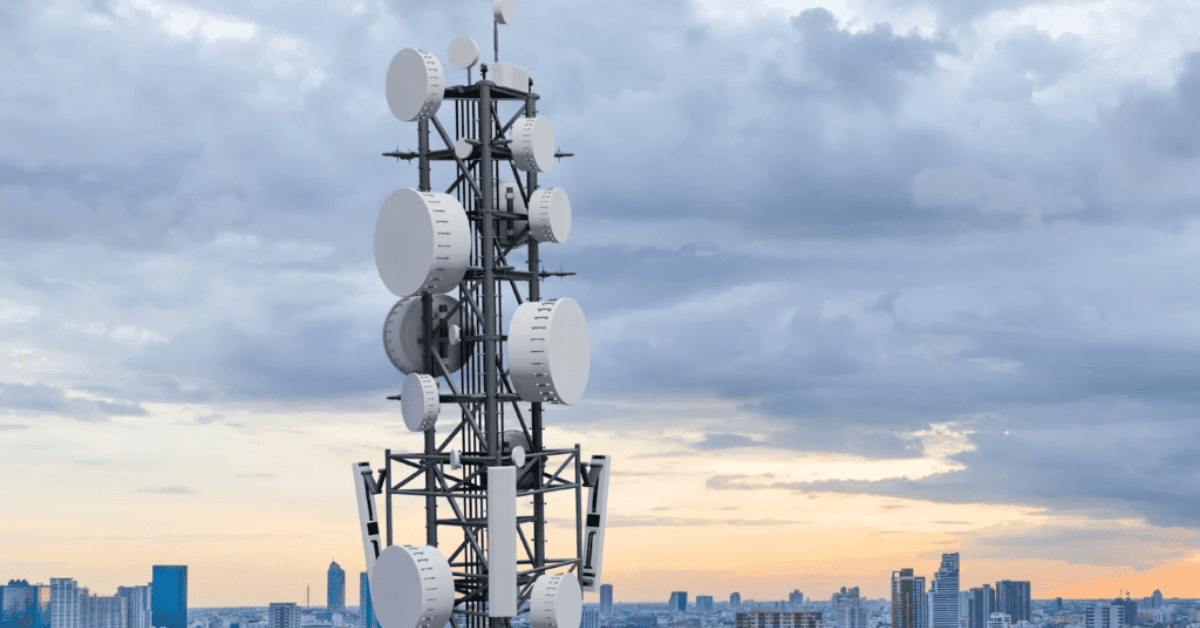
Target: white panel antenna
<point>597,518</point>
<point>502,541</point>
<point>364,489</point>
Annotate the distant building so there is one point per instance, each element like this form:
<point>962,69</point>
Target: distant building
<point>1058,607</point>
<point>1013,598</point>
<point>909,609</point>
<point>590,617</point>
<point>643,620</point>
<point>1104,615</point>
<point>168,596</point>
<point>795,599</point>
<point>104,612</point>
<point>336,598</point>
<point>606,600</point>
<point>999,620</point>
<point>283,615</point>
<point>850,610</point>
<point>137,604</point>
<point>366,610</point>
<point>943,594</point>
<point>678,601</point>
<point>765,618</point>
<point>704,603</point>
<point>981,603</point>
<point>24,605</point>
<point>1129,614</point>
<point>735,601</point>
<point>1156,599</point>
<point>65,606</point>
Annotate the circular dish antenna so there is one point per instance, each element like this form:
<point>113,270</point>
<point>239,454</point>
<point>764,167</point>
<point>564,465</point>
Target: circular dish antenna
<point>463,148</point>
<point>550,215</point>
<point>533,144</point>
<point>412,587</point>
<point>415,85</point>
<point>419,402</point>
<point>463,53</point>
<point>403,328</point>
<point>422,242</point>
<point>555,602</point>
<point>513,441</point>
<point>510,229</point>
<point>503,11</point>
<point>549,352</point>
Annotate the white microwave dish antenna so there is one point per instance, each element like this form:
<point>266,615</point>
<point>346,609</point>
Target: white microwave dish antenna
<point>403,328</point>
<point>463,53</point>
<point>419,403</point>
<point>549,351</point>
<point>533,144</point>
<point>550,215</point>
<point>422,242</point>
<point>502,10</point>
<point>413,587</point>
<point>556,601</point>
<point>415,85</point>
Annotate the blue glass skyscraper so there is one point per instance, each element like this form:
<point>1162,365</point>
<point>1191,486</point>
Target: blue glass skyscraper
<point>365,610</point>
<point>336,599</point>
<point>168,596</point>
<point>24,605</point>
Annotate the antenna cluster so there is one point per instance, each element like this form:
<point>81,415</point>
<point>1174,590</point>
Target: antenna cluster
<point>445,255</point>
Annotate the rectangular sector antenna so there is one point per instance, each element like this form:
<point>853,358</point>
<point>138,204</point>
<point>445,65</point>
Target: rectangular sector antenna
<point>597,516</point>
<point>364,488</point>
<point>502,541</point>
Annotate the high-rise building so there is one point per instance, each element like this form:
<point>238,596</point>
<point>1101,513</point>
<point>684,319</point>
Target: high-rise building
<point>1104,615</point>
<point>795,599</point>
<point>943,594</point>
<point>1130,613</point>
<point>909,609</point>
<point>850,610</point>
<point>104,612</point>
<point>704,603</point>
<point>24,605</point>
<point>590,618</point>
<point>605,600</point>
<point>283,615</point>
<point>1013,599</point>
<point>735,601</point>
<point>137,601</point>
<point>763,618</point>
<point>999,620</point>
<point>335,600</point>
<point>981,603</point>
<point>366,610</point>
<point>678,601</point>
<point>1058,607</point>
<point>1156,599</point>
<point>65,605</point>
<point>168,596</point>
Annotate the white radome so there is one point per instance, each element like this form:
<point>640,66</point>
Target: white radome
<point>463,52</point>
<point>422,242</point>
<point>550,215</point>
<point>502,10</point>
<point>415,85</point>
<point>412,587</point>
<point>549,352</point>
<point>419,401</point>
<point>555,602</point>
<point>403,327</point>
<point>533,144</point>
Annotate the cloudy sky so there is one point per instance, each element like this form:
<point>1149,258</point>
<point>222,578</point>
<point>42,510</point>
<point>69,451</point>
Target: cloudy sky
<point>867,281</point>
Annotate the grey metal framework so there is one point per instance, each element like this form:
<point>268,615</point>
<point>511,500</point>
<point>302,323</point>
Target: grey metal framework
<point>456,500</point>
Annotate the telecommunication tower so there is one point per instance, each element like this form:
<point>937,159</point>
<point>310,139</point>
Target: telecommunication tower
<point>445,254</point>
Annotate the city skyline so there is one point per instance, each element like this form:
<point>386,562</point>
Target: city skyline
<point>868,281</point>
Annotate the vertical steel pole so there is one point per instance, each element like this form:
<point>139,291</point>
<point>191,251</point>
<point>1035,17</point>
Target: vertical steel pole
<point>387,491</point>
<point>427,317</point>
<point>487,213</point>
<point>578,514</point>
<point>535,412</point>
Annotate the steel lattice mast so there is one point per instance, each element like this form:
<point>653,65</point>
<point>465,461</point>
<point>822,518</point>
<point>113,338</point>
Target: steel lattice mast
<point>482,562</point>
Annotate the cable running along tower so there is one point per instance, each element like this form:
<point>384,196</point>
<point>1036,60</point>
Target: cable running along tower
<point>485,479</point>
